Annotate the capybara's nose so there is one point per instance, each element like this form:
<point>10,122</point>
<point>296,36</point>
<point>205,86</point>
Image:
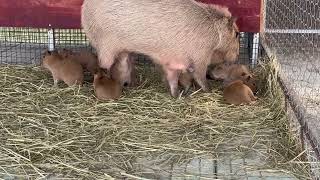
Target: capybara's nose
<point>125,84</point>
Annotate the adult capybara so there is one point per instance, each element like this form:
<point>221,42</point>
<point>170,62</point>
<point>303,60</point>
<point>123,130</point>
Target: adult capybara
<point>179,35</point>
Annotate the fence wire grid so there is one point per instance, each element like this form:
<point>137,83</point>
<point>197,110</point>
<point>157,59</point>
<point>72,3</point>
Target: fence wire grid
<point>292,34</point>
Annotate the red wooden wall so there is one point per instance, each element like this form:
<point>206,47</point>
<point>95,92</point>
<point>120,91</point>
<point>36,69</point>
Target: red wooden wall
<point>248,12</point>
<point>39,13</point>
<point>67,13</point>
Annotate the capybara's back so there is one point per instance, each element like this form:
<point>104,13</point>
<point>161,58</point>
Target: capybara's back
<point>88,60</point>
<point>62,67</point>
<point>106,88</point>
<point>238,93</point>
<point>71,72</point>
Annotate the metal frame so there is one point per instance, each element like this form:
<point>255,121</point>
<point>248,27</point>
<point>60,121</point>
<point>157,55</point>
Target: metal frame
<point>51,39</point>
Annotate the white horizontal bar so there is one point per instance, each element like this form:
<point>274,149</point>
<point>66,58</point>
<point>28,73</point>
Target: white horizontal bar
<point>293,31</point>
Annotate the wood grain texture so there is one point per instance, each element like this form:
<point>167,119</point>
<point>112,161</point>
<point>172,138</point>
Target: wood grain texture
<point>247,12</point>
<point>40,13</point>
<point>67,13</point>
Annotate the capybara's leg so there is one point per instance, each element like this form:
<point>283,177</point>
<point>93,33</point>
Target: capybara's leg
<point>172,79</point>
<point>251,95</point>
<point>199,76</point>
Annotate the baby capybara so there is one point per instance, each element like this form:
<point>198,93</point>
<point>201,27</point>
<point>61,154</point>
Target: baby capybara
<point>230,72</point>
<point>238,93</point>
<point>106,88</point>
<point>63,69</point>
<point>87,59</point>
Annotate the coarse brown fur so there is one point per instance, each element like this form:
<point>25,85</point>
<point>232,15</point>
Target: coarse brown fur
<point>106,88</point>
<point>238,93</point>
<point>87,59</point>
<point>63,69</point>
<point>230,72</point>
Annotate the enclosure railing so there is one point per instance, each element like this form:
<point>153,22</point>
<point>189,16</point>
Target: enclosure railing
<point>291,33</point>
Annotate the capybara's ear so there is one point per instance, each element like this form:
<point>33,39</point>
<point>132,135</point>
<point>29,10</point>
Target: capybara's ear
<point>231,22</point>
<point>47,53</point>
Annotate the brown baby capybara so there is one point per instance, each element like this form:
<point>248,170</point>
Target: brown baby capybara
<point>87,59</point>
<point>186,81</point>
<point>176,34</point>
<point>106,88</point>
<point>238,93</point>
<point>63,69</point>
<point>230,72</point>
<point>225,72</point>
<point>251,82</point>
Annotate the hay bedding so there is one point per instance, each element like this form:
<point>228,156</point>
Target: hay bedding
<point>68,133</point>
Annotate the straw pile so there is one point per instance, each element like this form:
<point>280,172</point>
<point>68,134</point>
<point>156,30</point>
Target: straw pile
<point>68,133</point>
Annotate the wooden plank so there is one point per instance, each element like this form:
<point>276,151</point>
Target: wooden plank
<point>247,11</point>
<point>67,13</point>
<point>40,13</point>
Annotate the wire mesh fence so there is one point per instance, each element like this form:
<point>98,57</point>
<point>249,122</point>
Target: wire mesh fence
<point>292,34</point>
<point>25,45</point>
<point>22,45</point>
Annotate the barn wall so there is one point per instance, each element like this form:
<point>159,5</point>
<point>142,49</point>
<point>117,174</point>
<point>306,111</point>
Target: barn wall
<point>67,13</point>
